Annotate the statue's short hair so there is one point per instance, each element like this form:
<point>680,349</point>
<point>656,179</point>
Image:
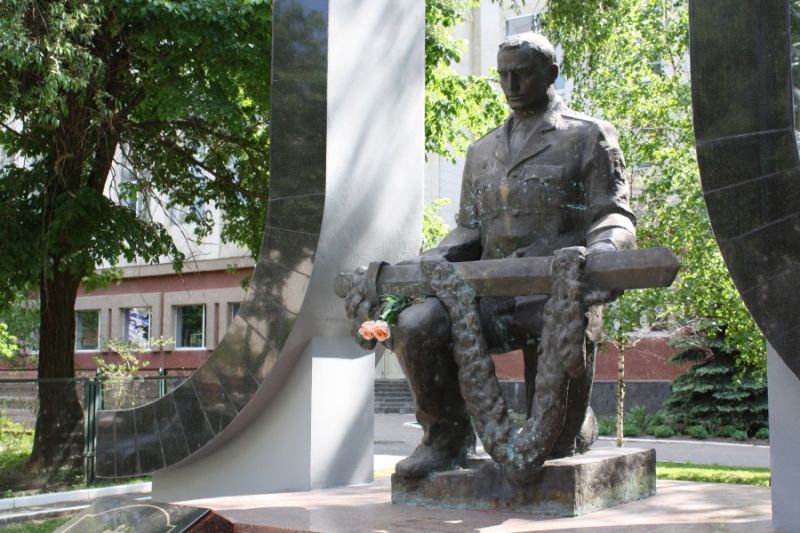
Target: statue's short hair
<point>536,42</point>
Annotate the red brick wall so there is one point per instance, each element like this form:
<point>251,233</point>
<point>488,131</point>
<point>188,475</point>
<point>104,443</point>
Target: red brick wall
<point>647,360</point>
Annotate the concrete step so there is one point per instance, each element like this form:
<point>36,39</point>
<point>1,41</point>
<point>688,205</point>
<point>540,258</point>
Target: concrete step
<point>393,397</point>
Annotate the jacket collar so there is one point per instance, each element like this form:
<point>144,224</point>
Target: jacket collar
<point>537,142</point>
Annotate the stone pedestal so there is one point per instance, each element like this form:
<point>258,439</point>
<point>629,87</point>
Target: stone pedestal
<point>567,487</point>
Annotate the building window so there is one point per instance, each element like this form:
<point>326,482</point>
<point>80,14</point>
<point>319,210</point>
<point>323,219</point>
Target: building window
<point>87,330</point>
<point>136,324</point>
<point>233,310</point>
<point>190,326</point>
<point>523,24</point>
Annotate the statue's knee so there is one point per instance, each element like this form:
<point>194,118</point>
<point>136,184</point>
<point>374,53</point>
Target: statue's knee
<point>424,322</point>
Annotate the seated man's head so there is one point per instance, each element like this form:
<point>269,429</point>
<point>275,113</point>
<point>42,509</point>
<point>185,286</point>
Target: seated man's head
<point>527,67</point>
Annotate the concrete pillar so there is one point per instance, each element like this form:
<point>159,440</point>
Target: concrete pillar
<point>784,439</point>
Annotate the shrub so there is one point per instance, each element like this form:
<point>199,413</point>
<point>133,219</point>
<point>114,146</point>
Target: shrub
<point>657,419</point>
<point>762,433</point>
<point>739,435</point>
<point>663,432</point>
<point>638,417</point>
<point>631,430</point>
<point>725,431</point>
<point>606,425</point>
<point>697,432</point>
<point>716,392</point>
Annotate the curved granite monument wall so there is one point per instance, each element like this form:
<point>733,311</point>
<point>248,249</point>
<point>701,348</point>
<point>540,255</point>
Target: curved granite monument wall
<point>165,432</point>
<point>747,152</point>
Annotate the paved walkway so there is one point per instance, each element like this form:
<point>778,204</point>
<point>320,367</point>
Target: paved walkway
<point>677,507</point>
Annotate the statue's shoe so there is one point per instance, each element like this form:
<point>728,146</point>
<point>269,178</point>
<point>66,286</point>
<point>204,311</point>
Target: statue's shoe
<point>428,459</point>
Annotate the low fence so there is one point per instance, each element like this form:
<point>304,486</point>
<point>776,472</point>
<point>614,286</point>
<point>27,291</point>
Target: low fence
<point>19,401</point>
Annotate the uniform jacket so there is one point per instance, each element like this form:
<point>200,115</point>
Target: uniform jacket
<point>566,187</point>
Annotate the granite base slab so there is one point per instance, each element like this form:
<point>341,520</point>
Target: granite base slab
<point>572,486</point>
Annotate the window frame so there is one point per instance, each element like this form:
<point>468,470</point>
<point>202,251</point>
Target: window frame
<point>78,322</point>
<point>178,310</point>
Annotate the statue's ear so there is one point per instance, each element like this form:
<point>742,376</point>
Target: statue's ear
<point>553,73</point>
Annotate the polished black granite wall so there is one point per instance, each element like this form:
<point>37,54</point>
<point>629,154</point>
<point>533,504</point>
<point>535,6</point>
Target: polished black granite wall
<point>747,152</point>
<point>160,434</point>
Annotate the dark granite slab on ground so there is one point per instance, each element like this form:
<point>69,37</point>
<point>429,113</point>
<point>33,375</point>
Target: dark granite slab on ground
<point>567,487</point>
<point>123,514</point>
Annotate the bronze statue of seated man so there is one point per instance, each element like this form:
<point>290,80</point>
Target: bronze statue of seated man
<point>547,179</point>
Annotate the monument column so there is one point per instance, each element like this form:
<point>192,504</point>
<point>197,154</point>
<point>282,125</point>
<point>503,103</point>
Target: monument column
<point>347,114</point>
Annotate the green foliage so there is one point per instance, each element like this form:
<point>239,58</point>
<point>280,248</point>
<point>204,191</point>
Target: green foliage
<point>715,393</point>
<point>635,423</point>
<point>19,327</point>
<point>392,306</point>
<point>434,228</point>
<point>632,430</point>
<point>638,417</point>
<point>8,343</point>
<point>762,433</point>
<point>714,473</point>
<point>739,435</point>
<point>628,61</point>
<point>16,442</point>
<point>118,376</point>
<point>606,425</point>
<point>725,431</point>
<point>663,432</point>
<point>457,108</point>
<point>101,279</point>
<point>697,432</point>
<point>179,87</point>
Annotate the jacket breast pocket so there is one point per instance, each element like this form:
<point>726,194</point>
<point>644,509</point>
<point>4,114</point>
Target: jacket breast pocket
<point>540,186</point>
<point>487,194</point>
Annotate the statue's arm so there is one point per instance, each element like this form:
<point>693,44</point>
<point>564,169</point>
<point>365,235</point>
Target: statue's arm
<point>610,222</point>
<point>464,242</point>
<point>461,244</point>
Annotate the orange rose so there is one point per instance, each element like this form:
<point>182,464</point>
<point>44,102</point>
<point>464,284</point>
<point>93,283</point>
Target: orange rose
<point>381,330</point>
<point>367,330</point>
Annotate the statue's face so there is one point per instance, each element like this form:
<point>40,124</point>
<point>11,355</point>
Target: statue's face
<point>524,78</point>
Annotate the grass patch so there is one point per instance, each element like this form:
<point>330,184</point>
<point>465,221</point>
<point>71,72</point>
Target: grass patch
<point>16,443</point>
<point>383,472</point>
<point>737,475</point>
<point>36,526</point>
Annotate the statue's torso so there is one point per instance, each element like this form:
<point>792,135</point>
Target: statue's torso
<point>535,199</point>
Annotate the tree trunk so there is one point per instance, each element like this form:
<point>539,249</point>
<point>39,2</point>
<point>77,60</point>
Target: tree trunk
<point>58,441</point>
